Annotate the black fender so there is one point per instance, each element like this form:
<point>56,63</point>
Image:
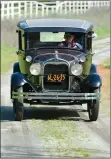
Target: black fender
<point>93,81</point>
<point>93,69</point>
<point>16,67</point>
<point>17,79</point>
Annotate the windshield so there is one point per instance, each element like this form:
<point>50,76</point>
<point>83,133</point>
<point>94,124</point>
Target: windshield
<point>54,39</point>
<point>51,37</point>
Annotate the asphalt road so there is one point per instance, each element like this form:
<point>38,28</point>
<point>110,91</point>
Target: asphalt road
<point>18,139</point>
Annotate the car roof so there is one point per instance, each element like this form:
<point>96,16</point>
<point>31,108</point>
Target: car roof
<point>55,25</point>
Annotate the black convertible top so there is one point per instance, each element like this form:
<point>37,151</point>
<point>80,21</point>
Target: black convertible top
<point>55,25</point>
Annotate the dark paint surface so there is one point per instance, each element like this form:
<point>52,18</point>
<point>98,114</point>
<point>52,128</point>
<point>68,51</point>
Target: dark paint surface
<point>60,25</point>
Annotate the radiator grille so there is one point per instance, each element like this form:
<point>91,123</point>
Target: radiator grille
<point>53,69</point>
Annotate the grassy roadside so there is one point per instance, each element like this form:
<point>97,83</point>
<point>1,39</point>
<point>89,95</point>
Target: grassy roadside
<point>104,71</point>
<point>102,32</point>
<point>8,57</point>
<point>61,137</point>
<point>106,63</point>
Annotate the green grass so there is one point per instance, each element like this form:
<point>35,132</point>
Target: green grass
<point>106,63</point>
<point>8,56</point>
<point>60,137</point>
<point>102,32</point>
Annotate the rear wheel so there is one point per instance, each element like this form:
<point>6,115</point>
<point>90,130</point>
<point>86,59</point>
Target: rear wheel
<point>93,107</point>
<point>18,106</point>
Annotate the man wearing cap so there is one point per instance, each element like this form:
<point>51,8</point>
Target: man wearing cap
<point>70,41</point>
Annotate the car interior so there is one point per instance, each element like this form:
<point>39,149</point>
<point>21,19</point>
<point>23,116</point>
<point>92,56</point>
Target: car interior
<point>33,40</point>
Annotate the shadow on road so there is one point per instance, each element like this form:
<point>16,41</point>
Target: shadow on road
<point>32,152</point>
<point>44,113</point>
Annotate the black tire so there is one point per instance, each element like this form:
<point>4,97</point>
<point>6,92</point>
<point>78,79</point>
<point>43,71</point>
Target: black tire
<point>93,107</point>
<point>18,108</point>
<point>19,113</point>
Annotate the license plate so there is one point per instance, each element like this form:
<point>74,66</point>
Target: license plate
<point>55,77</point>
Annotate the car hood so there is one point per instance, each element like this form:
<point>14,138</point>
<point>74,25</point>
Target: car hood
<point>48,56</point>
<point>65,55</point>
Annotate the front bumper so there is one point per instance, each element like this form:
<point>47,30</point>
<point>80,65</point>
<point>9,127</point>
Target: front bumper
<point>55,96</point>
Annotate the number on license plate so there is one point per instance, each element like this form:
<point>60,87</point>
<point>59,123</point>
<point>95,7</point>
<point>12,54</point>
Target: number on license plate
<point>56,77</point>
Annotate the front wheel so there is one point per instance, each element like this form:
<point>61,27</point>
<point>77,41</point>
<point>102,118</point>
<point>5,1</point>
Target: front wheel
<point>93,107</point>
<point>18,108</point>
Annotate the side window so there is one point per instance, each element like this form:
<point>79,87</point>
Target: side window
<point>33,38</point>
<point>79,38</point>
<point>19,40</point>
<point>89,41</point>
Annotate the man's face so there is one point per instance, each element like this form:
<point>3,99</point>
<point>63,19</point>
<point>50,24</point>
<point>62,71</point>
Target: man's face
<point>71,38</point>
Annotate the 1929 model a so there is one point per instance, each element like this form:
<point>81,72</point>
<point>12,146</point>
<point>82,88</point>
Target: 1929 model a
<point>48,73</point>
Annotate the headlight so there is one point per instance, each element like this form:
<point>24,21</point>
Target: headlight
<point>35,69</point>
<point>76,69</point>
<point>82,58</point>
<point>28,58</point>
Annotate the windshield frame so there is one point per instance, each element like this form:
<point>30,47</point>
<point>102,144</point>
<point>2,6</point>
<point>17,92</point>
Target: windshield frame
<point>27,41</point>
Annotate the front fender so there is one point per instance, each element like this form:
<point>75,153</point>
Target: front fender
<point>16,67</point>
<point>93,69</point>
<point>17,79</point>
<point>93,81</point>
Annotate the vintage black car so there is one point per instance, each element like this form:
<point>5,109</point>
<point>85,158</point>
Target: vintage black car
<point>48,73</point>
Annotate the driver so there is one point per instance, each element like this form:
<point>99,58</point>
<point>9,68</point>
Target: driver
<point>70,41</point>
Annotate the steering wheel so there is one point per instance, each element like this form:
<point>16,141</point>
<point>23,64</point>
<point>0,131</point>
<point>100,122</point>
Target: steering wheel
<point>77,47</point>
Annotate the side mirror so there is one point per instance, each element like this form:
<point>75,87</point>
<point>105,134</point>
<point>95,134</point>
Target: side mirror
<point>92,53</point>
<point>94,35</point>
